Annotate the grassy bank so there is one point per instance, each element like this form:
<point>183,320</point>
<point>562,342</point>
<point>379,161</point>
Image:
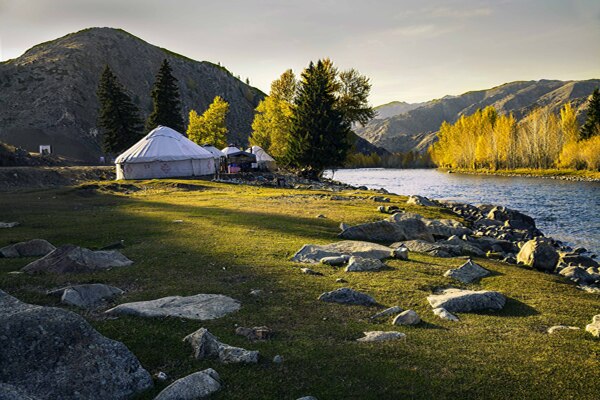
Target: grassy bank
<point>567,174</point>
<point>236,238</point>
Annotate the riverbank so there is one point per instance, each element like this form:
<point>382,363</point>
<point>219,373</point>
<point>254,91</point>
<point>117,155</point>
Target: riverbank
<point>563,174</point>
<point>187,237</point>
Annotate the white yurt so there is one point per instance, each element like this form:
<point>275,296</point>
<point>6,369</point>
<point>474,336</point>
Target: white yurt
<point>230,150</point>
<point>263,159</point>
<point>217,154</point>
<point>164,153</point>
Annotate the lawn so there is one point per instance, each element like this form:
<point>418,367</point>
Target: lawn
<point>233,239</point>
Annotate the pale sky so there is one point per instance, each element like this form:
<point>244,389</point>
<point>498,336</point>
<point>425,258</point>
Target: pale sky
<point>412,50</point>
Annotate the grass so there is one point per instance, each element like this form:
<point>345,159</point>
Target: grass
<point>236,238</point>
<point>549,173</point>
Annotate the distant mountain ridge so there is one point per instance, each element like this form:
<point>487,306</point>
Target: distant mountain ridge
<point>48,95</point>
<point>415,129</point>
<point>395,108</point>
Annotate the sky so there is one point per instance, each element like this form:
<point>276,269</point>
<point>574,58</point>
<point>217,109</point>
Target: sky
<point>411,50</point>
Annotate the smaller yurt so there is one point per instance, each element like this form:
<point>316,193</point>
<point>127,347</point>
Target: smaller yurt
<point>238,160</point>
<point>164,153</point>
<point>217,154</point>
<point>263,160</point>
<point>230,150</point>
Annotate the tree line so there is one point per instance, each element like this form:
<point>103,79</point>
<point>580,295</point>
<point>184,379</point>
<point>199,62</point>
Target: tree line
<point>541,140</point>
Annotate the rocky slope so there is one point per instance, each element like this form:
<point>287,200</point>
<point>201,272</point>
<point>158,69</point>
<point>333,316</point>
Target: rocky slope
<point>48,95</point>
<point>415,129</point>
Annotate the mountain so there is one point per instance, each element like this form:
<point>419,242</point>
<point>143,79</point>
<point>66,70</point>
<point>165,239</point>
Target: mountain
<point>48,95</point>
<point>416,129</point>
<point>395,108</point>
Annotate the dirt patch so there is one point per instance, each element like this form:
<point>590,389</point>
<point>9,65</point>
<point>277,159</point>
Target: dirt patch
<point>18,178</point>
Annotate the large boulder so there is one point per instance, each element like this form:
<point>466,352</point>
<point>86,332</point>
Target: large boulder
<point>72,259</point>
<point>433,249</point>
<point>359,264</point>
<point>465,248</point>
<point>51,353</point>
<point>439,228</point>
<point>313,253</point>
<point>30,248</point>
<point>388,232</point>
<point>198,307</point>
<point>206,346</point>
<point>577,274</point>
<point>515,218</point>
<point>594,327</point>
<point>577,259</point>
<point>348,296</point>
<point>87,295</point>
<point>192,387</point>
<point>539,254</point>
<point>459,300</point>
<point>468,272</point>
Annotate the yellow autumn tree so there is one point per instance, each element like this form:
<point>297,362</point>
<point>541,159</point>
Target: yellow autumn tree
<point>210,127</point>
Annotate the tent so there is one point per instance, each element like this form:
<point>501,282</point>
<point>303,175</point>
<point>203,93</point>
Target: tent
<point>164,153</point>
<point>217,154</point>
<point>263,159</point>
<point>238,160</point>
<point>230,150</point>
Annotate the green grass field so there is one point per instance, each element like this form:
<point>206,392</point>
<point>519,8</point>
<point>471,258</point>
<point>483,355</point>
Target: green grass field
<point>237,238</point>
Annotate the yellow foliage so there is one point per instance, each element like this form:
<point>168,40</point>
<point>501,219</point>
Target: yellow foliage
<point>210,127</point>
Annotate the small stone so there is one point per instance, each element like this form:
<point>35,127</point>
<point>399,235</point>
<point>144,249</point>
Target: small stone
<point>381,336</point>
<point>8,224</point>
<point>341,280</point>
<point>557,328</point>
<point>307,398</point>
<point>256,292</point>
<point>387,312</point>
<point>445,314</point>
<point>400,253</point>
<point>161,376</point>
<point>177,221</point>
<point>321,216</point>
<point>309,271</point>
<point>278,359</point>
<point>408,317</point>
<point>255,333</point>
<point>360,264</point>
<point>195,386</point>
<point>347,296</point>
<point>335,261</point>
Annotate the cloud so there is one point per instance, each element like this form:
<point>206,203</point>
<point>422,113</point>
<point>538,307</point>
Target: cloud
<point>446,12</point>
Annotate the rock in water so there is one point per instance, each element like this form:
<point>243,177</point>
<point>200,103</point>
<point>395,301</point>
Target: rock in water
<point>388,232</point>
<point>312,253</point>
<point>192,387</point>
<point>73,259</point>
<point>458,300</point>
<point>198,307</point>
<point>207,346</point>
<point>87,296</point>
<point>445,314</point>
<point>539,254</point>
<point>50,353</point>
<point>381,336</point>
<point>31,248</point>
<point>359,264</point>
<point>347,296</point>
<point>408,317</point>
<point>467,273</point>
<point>594,327</point>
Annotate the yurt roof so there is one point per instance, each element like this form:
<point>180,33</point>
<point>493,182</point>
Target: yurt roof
<point>163,144</point>
<point>260,153</point>
<point>213,150</point>
<point>230,150</point>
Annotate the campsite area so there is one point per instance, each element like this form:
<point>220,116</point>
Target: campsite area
<point>187,237</point>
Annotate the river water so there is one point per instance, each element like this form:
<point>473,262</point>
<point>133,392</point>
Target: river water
<point>565,210</point>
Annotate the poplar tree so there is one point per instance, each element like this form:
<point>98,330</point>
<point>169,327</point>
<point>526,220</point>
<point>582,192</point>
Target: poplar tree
<point>210,127</point>
<point>319,135</point>
<point>591,127</point>
<point>118,116</point>
<point>166,101</point>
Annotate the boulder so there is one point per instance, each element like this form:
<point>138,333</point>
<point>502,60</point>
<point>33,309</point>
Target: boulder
<point>359,264</point>
<point>465,248</point>
<point>8,224</point>
<point>388,232</point>
<point>459,300</point>
<point>468,272</point>
<point>10,392</point>
<point>336,261</point>
<point>515,218</point>
<point>381,336</point>
<point>192,387</point>
<point>400,253</point>
<point>88,295</point>
<point>577,274</point>
<point>73,259</point>
<point>594,327</point>
<point>539,254</point>
<point>571,259</point>
<point>420,201</point>
<point>408,317</point>
<point>446,227</point>
<point>433,249</point>
<point>31,248</point>
<point>207,346</point>
<point>445,314</point>
<point>312,253</point>
<point>387,312</point>
<point>557,328</point>
<point>51,353</point>
<point>198,307</point>
<point>237,355</point>
<point>347,296</point>
<point>255,333</point>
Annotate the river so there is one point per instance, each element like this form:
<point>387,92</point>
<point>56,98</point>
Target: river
<point>565,210</point>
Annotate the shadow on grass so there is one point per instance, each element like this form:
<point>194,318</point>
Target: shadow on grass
<point>513,308</point>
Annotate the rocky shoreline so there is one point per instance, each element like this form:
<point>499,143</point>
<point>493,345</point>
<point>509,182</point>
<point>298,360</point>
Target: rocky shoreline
<point>572,178</point>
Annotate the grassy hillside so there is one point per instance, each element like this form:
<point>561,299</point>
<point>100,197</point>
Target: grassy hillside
<point>236,238</point>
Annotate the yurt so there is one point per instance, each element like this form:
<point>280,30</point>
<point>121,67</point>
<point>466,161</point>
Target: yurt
<point>263,160</point>
<point>231,149</point>
<point>217,154</point>
<point>164,153</point>
<point>238,160</point>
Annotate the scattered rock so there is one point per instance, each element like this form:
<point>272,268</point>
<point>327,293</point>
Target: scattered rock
<point>589,288</point>
<point>467,273</point>
<point>321,216</point>
<point>341,280</point>
<point>198,307</point>
<point>408,317</point>
<point>255,333</point>
<point>557,328</point>
<point>387,312</point>
<point>514,218</point>
<point>459,300</point>
<point>206,346</point>
<point>51,353</point>
<point>161,376</point>
<point>8,224</point>
<point>577,274</point>
<point>192,387</point>
<point>420,201</point>
<point>31,248</point>
<point>381,336</point>
<point>87,295</point>
<point>594,327</point>
<point>335,261</point>
<point>388,232</point>
<point>237,355</point>
<point>538,253</point>
<point>571,259</point>
<point>312,253</point>
<point>433,249</point>
<point>400,253</point>
<point>278,359</point>
<point>73,259</point>
<point>380,199</point>
<point>309,271</point>
<point>444,314</point>
<point>359,264</point>
<point>347,296</point>
<point>256,292</point>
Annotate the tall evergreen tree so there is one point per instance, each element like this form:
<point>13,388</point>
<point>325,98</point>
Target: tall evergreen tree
<point>165,97</point>
<point>118,117</point>
<point>591,127</point>
<point>319,135</point>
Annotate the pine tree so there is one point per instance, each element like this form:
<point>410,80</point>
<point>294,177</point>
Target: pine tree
<point>591,127</point>
<point>165,97</point>
<point>118,117</point>
<point>319,136</point>
<point>210,127</point>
